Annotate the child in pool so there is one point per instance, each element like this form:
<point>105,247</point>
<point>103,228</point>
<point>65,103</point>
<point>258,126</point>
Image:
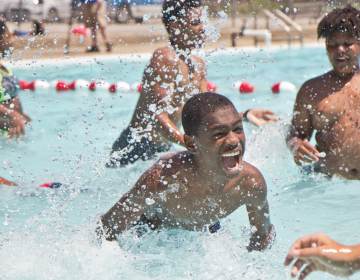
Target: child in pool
<point>193,189</point>
<point>173,75</point>
<point>12,117</point>
<point>329,104</point>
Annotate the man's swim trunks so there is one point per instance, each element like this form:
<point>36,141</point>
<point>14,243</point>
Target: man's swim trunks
<point>310,169</point>
<point>129,148</point>
<point>8,85</point>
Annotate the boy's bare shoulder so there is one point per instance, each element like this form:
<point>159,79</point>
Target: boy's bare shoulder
<point>249,186</point>
<point>164,54</point>
<point>311,89</point>
<point>168,168</point>
<point>171,163</point>
<point>251,175</point>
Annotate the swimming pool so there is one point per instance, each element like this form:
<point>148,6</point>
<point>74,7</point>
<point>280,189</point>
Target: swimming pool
<point>49,234</point>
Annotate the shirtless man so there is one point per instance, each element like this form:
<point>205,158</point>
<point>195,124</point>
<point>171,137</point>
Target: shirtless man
<point>171,78</point>
<point>330,103</point>
<point>193,189</point>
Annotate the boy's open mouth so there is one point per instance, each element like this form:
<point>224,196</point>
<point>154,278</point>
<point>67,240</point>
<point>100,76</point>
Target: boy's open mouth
<point>342,59</point>
<point>231,162</point>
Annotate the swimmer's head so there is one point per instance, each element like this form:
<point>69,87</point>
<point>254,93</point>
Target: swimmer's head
<point>214,132</point>
<point>183,22</point>
<point>341,30</point>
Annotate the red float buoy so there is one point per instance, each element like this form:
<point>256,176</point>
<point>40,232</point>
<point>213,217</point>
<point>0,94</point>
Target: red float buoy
<point>212,87</point>
<point>92,86</point>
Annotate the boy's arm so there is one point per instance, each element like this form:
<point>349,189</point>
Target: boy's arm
<point>259,117</point>
<point>301,129</point>
<point>262,231</point>
<point>12,121</point>
<point>163,75</point>
<point>18,107</point>
<point>129,209</point>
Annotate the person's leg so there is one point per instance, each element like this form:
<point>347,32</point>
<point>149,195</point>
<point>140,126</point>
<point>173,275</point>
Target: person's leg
<point>101,22</point>
<point>93,36</point>
<point>90,22</point>
<point>68,35</point>
<point>105,39</point>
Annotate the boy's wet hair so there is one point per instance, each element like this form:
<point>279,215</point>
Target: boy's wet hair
<point>346,20</point>
<point>198,107</point>
<point>173,10</point>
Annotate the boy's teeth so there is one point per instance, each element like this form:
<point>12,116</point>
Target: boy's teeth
<point>231,154</point>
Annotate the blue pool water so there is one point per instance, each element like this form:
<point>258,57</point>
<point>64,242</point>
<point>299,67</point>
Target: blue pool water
<point>49,234</point>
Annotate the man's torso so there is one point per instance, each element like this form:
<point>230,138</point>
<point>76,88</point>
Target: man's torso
<point>187,82</point>
<point>335,115</point>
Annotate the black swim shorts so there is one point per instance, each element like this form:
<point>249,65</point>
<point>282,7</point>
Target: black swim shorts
<point>128,149</point>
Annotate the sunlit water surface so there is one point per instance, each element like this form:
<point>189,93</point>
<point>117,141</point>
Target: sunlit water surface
<point>49,234</point>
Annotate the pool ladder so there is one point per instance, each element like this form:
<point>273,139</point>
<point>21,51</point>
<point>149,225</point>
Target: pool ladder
<point>293,31</point>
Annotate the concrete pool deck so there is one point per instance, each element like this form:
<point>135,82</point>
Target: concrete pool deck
<point>127,39</point>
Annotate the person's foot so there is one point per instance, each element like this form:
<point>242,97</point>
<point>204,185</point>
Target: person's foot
<point>108,47</point>
<point>92,49</point>
<point>66,49</point>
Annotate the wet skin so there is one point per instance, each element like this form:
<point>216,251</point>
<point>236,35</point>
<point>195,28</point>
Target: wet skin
<point>329,104</point>
<point>170,79</point>
<point>194,189</point>
<point>12,117</point>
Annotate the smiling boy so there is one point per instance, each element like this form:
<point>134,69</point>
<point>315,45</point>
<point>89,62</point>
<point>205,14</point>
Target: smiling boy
<point>194,189</point>
<point>329,104</point>
<point>173,75</point>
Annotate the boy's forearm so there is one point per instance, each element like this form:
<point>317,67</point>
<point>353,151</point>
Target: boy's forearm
<point>261,240</point>
<point>169,130</point>
<point>107,230</point>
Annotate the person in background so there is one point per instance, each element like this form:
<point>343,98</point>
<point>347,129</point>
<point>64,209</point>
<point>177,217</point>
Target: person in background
<point>172,76</point>
<point>5,39</point>
<point>329,104</point>
<point>76,12</point>
<point>318,252</point>
<point>38,28</point>
<point>12,117</point>
<point>94,15</point>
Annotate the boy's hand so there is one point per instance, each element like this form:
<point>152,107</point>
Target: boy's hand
<point>317,252</point>
<point>260,117</point>
<point>17,124</point>
<point>303,151</point>
<point>258,244</point>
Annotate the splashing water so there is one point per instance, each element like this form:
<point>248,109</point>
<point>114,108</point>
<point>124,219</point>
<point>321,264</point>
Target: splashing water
<point>49,233</point>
